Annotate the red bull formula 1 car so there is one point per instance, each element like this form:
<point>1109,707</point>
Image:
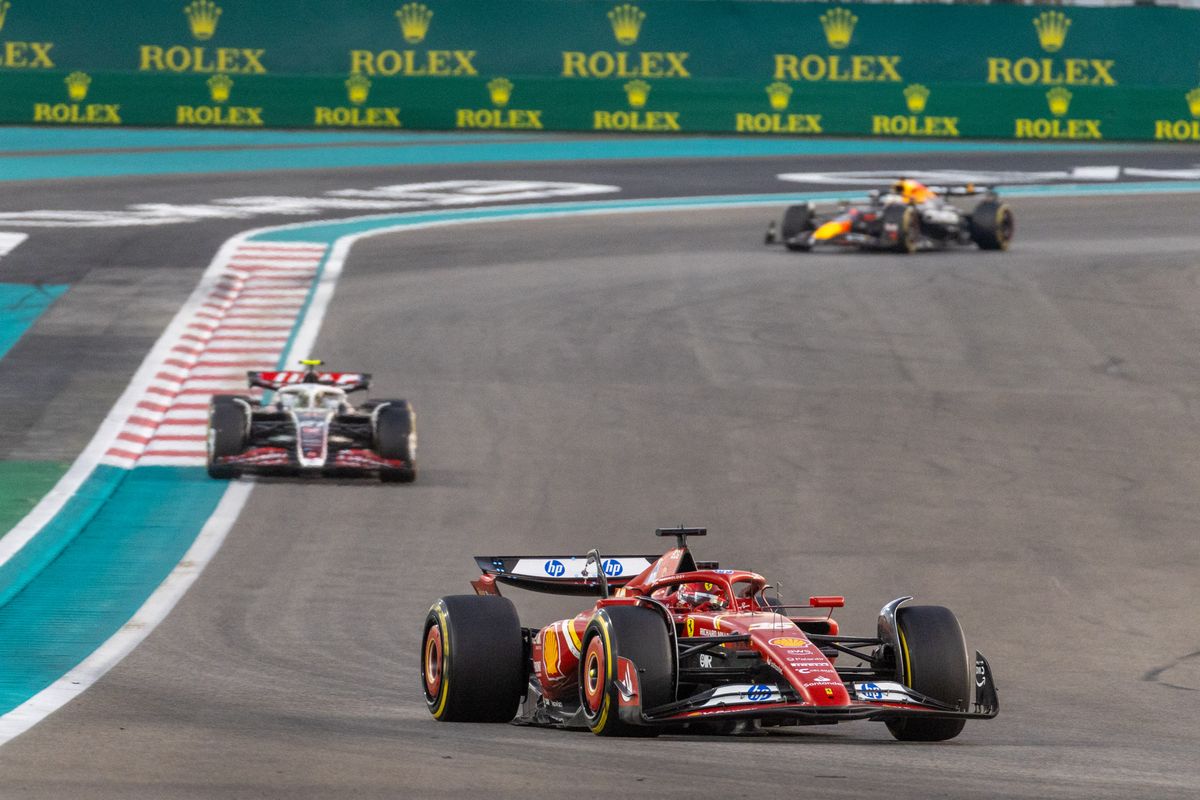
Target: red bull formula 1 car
<point>673,643</point>
<point>908,218</point>
<point>310,427</point>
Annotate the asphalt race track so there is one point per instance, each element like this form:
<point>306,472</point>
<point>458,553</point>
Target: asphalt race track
<point>1012,435</point>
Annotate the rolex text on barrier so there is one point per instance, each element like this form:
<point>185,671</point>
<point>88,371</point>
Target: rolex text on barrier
<point>743,67</point>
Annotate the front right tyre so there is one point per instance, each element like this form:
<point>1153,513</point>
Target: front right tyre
<point>228,429</point>
<point>395,438</point>
<point>992,225</point>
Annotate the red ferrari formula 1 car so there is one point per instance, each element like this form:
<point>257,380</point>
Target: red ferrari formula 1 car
<point>675,643</point>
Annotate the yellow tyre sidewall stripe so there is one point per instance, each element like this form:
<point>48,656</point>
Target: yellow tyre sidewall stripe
<point>602,719</point>
<point>908,678</point>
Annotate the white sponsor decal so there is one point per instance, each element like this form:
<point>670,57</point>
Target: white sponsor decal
<point>560,567</point>
<point>883,691</point>
<point>397,197</point>
<point>1088,174</point>
<point>738,693</point>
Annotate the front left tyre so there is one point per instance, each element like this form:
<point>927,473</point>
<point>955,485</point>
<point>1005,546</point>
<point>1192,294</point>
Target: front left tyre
<point>798,223</point>
<point>640,635</point>
<point>228,429</point>
<point>933,655</point>
<point>907,224</point>
<point>395,438</point>
<point>473,659</point>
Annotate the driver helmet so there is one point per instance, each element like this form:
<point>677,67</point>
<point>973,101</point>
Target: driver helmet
<point>698,595</point>
<point>912,191</point>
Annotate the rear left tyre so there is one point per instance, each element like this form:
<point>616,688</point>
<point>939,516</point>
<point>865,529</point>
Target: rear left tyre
<point>473,659</point>
<point>934,659</point>
<point>640,635</point>
<point>228,431</point>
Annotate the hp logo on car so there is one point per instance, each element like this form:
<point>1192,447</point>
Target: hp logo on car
<point>758,692</point>
<point>555,568</point>
<point>870,691</point>
<point>613,568</point>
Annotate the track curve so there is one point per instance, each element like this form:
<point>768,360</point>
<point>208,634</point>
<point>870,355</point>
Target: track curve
<point>1012,435</point>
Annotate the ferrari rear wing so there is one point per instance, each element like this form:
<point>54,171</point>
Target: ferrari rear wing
<point>347,381</point>
<point>574,575</point>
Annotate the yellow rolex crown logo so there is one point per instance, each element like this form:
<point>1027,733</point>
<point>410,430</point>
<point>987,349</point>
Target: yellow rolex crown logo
<point>357,88</point>
<point>202,18</point>
<point>1052,30</point>
<point>1059,100</point>
<point>916,96</point>
<point>500,90</point>
<point>839,26</point>
<point>638,92</point>
<point>626,22</point>
<point>779,93</point>
<point>1193,101</point>
<point>219,86</point>
<point>4,7</point>
<point>77,86</point>
<point>414,21</point>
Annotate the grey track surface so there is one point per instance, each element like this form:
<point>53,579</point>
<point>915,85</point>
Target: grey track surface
<point>1014,436</point>
<point>59,381</point>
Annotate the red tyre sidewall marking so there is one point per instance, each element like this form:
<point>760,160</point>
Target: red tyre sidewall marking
<point>431,664</point>
<point>594,679</point>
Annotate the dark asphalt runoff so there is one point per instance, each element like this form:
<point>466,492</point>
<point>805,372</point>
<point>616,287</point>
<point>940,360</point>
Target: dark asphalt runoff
<point>1013,435</point>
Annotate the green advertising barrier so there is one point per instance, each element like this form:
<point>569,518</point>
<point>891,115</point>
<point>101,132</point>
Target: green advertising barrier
<point>716,66</point>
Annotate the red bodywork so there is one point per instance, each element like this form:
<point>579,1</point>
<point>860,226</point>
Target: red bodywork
<point>804,687</point>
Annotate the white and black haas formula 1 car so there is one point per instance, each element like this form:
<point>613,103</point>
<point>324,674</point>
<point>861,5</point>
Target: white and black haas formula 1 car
<point>909,217</point>
<point>309,427</point>
<point>671,643</point>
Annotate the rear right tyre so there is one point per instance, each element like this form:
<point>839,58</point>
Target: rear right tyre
<point>473,659</point>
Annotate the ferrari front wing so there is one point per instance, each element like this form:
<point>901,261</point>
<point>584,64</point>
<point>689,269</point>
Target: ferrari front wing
<point>870,700</point>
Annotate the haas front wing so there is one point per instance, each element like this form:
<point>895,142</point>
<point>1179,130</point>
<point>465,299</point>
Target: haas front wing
<point>296,441</point>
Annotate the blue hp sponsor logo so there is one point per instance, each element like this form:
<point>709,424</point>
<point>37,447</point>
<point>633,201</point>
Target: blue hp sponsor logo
<point>555,568</point>
<point>613,568</point>
<point>870,691</point>
<point>758,692</point>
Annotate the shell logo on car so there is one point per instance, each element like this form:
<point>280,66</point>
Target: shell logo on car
<point>789,641</point>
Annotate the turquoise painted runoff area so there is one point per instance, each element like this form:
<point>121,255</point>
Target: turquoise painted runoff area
<point>33,140</point>
<point>71,154</point>
<point>20,306</point>
<point>93,567</point>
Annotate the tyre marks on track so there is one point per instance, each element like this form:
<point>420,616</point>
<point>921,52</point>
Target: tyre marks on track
<point>244,321</point>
